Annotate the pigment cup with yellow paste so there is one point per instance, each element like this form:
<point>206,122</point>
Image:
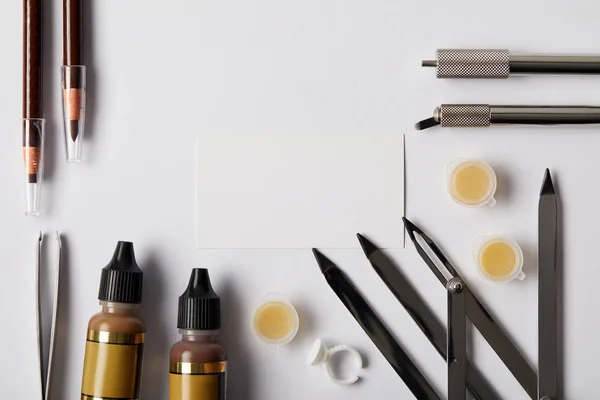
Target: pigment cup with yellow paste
<point>472,182</point>
<point>276,321</point>
<point>499,259</point>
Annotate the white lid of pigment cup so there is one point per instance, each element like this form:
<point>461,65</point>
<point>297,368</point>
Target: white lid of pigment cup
<point>279,300</point>
<point>482,243</point>
<point>458,165</point>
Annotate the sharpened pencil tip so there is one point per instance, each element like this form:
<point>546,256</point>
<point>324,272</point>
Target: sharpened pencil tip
<point>368,247</point>
<point>325,264</point>
<point>547,186</point>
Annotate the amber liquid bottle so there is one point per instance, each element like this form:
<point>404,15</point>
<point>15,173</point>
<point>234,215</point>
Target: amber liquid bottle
<point>198,363</point>
<point>115,339</point>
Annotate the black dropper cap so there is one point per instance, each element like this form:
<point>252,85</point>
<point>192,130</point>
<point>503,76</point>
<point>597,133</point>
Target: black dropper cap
<point>199,305</point>
<point>121,279</point>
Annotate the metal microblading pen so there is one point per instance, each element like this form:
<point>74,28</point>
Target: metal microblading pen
<point>500,64</point>
<point>483,115</point>
<point>33,121</point>
<point>73,79</point>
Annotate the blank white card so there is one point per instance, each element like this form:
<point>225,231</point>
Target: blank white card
<point>299,191</point>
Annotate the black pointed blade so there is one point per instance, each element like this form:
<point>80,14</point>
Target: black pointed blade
<point>547,185</point>
<point>406,295</point>
<point>324,263</point>
<point>368,247</point>
<point>375,329</point>
<point>548,290</point>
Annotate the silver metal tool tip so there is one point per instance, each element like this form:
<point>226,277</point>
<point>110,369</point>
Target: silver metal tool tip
<point>429,63</point>
<point>547,186</point>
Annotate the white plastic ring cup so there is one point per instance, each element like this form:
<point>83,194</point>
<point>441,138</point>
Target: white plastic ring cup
<point>482,243</point>
<point>453,170</point>
<point>319,354</point>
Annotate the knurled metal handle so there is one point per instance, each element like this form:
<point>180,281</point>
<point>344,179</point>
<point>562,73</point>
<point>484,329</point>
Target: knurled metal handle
<point>467,115</point>
<point>473,63</point>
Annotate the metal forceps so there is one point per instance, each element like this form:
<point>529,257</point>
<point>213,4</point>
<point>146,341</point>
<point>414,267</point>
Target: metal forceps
<point>462,303</point>
<point>46,378</point>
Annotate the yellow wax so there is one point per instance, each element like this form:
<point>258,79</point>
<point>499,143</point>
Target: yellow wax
<point>498,259</point>
<point>471,183</point>
<point>274,320</point>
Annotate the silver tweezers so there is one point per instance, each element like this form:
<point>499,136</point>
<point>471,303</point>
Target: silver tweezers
<point>46,378</point>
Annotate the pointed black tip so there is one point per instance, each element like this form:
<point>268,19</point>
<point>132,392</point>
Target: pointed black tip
<point>411,229</point>
<point>547,186</point>
<point>368,247</point>
<point>325,264</point>
<point>426,123</point>
<point>409,226</point>
<point>123,258</point>
<point>199,285</point>
<point>74,129</point>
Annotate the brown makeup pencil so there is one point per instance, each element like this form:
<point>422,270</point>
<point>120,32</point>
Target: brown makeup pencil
<point>73,79</point>
<point>33,122</point>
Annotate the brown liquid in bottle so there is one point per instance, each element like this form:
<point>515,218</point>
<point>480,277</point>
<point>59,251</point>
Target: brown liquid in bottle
<point>197,367</point>
<point>115,339</point>
<point>198,363</point>
<point>113,355</point>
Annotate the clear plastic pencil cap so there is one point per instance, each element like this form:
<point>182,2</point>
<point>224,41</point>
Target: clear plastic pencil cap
<point>33,146</point>
<point>74,99</point>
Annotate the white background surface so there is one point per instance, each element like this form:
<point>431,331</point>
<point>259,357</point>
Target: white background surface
<point>160,72</point>
<point>278,191</point>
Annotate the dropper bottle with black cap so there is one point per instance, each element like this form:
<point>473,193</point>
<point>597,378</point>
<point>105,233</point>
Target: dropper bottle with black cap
<point>115,339</point>
<point>198,363</point>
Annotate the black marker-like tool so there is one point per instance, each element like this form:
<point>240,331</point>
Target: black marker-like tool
<point>375,329</point>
